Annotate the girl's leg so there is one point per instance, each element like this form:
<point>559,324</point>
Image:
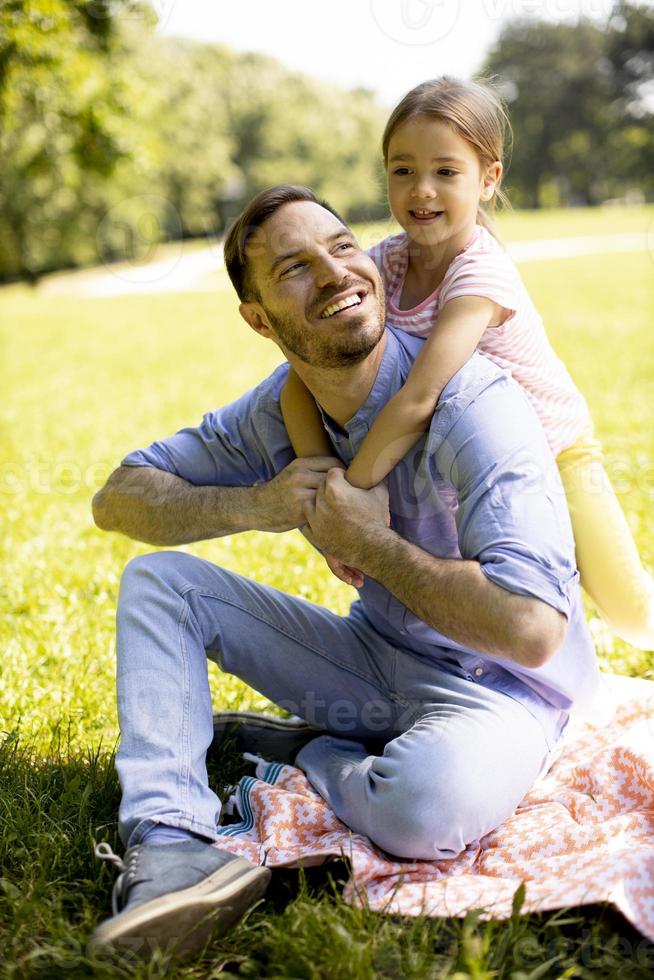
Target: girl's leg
<point>302,419</point>
<point>611,570</point>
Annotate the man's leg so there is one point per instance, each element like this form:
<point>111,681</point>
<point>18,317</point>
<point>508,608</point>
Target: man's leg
<point>174,610</point>
<point>463,757</point>
<point>460,769</point>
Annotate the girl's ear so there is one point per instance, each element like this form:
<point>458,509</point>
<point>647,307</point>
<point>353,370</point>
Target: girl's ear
<point>254,314</point>
<point>490,179</point>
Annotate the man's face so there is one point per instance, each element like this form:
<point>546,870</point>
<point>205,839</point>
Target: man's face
<point>320,297</point>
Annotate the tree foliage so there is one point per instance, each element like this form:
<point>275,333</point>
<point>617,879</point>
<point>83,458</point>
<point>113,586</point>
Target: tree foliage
<point>112,137</point>
<point>64,129</point>
<point>580,100</point>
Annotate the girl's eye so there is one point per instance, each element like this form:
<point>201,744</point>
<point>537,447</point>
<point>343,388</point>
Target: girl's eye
<point>447,172</point>
<point>401,171</point>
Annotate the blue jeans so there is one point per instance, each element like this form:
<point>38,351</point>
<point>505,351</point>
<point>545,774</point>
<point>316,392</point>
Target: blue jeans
<point>459,754</point>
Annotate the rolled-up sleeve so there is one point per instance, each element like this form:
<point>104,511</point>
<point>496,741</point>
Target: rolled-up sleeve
<point>512,515</point>
<point>240,444</point>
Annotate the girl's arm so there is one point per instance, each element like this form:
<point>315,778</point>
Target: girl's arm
<point>308,438</point>
<point>407,415</point>
<point>302,419</point>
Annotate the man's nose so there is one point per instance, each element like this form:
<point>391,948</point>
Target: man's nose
<point>329,270</point>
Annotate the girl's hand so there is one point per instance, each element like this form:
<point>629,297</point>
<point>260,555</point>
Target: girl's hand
<point>351,576</point>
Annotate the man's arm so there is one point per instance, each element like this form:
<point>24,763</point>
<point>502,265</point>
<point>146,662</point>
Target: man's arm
<point>455,598</point>
<point>451,595</point>
<point>161,508</point>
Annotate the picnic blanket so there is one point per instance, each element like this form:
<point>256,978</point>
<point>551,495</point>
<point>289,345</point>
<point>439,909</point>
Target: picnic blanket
<point>583,834</point>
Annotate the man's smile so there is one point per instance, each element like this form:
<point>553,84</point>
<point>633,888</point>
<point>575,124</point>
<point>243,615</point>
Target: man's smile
<point>339,304</point>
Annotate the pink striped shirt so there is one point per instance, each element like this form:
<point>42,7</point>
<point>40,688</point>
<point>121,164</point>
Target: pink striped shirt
<point>519,345</point>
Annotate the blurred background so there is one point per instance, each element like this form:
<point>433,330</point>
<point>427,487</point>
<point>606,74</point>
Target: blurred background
<point>131,133</point>
<point>125,123</point>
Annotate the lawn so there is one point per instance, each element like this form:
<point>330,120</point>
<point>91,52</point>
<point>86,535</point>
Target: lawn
<point>86,380</point>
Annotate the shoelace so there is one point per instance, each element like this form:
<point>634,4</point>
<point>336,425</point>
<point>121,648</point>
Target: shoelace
<point>127,871</point>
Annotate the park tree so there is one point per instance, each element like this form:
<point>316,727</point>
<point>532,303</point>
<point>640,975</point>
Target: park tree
<point>286,127</point>
<point>556,81</point>
<point>577,95</point>
<point>630,51</point>
<point>64,129</point>
<point>189,130</point>
<point>113,137</point>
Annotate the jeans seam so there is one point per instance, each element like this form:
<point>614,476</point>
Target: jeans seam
<point>291,636</point>
<point>182,621</point>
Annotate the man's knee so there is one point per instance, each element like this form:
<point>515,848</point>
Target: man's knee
<point>149,574</point>
<point>413,823</point>
<point>425,811</point>
<point>142,569</point>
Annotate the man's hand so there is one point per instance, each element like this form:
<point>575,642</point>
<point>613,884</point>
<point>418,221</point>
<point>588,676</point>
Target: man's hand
<point>341,515</point>
<point>346,573</point>
<point>351,576</point>
<point>281,502</point>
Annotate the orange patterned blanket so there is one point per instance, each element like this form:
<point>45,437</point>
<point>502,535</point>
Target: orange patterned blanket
<point>583,834</point>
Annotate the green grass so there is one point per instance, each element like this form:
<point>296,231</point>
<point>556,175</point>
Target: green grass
<point>88,380</point>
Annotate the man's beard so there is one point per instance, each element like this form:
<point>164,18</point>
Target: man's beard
<point>320,351</point>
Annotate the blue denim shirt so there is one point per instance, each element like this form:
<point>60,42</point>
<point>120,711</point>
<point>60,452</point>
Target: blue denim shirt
<point>481,485</point>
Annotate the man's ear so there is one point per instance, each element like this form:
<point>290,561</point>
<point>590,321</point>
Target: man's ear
<point>490,179</point>
<point>254,314</point>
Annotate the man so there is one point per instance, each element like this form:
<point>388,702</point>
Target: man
<point>463,656</point>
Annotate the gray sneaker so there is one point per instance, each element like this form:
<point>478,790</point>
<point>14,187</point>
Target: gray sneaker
<point>174,896</point>
<point>276,739</point>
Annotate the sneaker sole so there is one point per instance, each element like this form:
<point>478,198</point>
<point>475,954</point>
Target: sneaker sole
<point>183,921</point>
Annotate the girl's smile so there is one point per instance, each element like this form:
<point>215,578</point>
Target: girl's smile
<point>424,215</point>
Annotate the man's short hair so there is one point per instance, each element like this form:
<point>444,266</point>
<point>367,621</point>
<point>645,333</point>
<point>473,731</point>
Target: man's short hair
<point>259,210</point>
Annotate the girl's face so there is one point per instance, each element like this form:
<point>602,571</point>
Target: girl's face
<point>436,181</point>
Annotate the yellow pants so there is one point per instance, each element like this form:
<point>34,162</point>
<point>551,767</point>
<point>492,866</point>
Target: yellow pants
<point>609,564</point>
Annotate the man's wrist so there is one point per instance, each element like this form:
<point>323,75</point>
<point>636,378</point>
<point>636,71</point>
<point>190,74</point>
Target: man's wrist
<point>263,509</point>
<point>230,510</point>
<point>374,550</point>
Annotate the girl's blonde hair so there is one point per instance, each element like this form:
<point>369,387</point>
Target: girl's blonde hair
<point>473,109</point>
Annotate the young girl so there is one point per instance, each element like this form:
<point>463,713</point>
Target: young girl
<point>449,280</point>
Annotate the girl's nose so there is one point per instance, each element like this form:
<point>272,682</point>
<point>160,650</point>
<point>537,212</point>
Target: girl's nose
<point>424,189</point>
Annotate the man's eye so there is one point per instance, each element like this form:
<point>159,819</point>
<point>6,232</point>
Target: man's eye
<point>345,245</point>
<point>292,268</point>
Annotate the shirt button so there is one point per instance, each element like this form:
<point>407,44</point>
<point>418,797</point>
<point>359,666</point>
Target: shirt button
<point>478,671</point>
